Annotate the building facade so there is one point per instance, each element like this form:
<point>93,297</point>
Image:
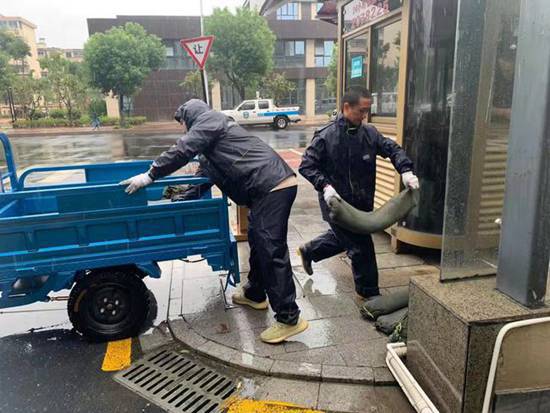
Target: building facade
<point>303,51</point>
<point>161,92</point>
<point>74,55</point>
<point>27,31</point>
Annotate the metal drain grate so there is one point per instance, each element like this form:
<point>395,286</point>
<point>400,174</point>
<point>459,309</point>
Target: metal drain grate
<point>177,383</point>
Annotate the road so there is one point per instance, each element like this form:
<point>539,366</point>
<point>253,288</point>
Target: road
<point>109,147</point>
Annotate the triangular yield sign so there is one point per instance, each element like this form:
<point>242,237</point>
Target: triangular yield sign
<point>198,48</point>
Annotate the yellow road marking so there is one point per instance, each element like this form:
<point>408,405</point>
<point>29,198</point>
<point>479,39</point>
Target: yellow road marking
<point>118,355</point>
<point>236,405</point>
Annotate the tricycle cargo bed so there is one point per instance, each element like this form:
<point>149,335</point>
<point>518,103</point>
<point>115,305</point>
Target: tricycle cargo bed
<point>53,236</point>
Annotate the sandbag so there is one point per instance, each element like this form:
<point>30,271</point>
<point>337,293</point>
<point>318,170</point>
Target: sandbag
<point>399,334</point>
<point>361,222</point>
<point>387,323</point>
<point>385,304</point>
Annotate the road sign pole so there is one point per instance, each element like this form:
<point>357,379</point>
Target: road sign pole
<point>205,87</point>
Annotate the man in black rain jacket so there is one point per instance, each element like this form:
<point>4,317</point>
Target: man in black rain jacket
<point>251,173</point>
<point>341,162</point>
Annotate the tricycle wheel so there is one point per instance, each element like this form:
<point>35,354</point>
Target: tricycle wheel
<point>108,305</point>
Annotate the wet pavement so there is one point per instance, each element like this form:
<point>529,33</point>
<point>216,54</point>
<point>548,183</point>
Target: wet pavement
<point>339,345</point>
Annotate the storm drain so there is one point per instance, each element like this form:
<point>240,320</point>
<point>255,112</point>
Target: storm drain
<point>177,383</point>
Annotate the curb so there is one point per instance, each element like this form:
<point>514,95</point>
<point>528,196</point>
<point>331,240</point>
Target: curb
<point>373,376</point>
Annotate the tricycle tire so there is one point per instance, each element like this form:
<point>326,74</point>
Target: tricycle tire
<point>108,305</point>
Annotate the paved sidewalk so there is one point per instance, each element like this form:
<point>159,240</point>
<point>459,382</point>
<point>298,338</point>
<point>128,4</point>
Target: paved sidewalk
<point>339,345</point>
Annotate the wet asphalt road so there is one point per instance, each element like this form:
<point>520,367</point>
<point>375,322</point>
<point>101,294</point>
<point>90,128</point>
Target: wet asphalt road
<point>47,367</point>
<point>57,371</point>
<point>109,147</point>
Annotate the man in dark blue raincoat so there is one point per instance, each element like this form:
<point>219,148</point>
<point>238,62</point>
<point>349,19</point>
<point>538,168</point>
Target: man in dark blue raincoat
<point>341,162</point>
<point>251,173</point>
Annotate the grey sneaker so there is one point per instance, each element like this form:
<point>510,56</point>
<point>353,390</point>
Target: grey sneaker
<point>306,262</point>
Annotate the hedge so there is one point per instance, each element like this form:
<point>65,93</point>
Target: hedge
<point>83,121</point>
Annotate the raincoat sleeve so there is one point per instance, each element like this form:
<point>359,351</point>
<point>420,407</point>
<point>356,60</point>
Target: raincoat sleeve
<point>195,191</point>
<point>203,134</point>
<point>312,161</point>
<point>387,148</point>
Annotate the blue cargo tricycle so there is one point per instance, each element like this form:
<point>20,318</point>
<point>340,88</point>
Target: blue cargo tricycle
<point>99,242</point>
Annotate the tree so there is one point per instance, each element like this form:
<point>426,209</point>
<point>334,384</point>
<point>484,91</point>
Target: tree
<point>120,59</point>
<point>14,47</point>
<point>6,72</point>
<point>66,82</point>
<point>192,84</point>
<point>332,79</point>
<point>28,94</point>
<point>277,87</point>
<point>243,50</point>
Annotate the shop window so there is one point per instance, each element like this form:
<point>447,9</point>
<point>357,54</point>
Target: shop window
<point>384,73</point>
<point>358,13</point>
<point>357,57</point>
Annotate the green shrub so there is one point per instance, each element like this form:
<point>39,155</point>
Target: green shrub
<point>37,115</point>
<point>82,121</point>
<point>107,121</point>
<point>75,115</point>
<point>136,120</point>
<point>58,114</point>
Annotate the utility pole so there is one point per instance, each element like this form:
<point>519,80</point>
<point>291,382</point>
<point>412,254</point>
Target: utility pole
<point>204,77</point>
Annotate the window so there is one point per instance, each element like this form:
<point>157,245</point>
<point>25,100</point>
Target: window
<point>323,52</point>
<point>289,53</point>
<point>68,55</point>
<point>385,68</point>
<point>288,12</point>
<point>297,97</point>
<point>263,104</point>
<point>357,57</point>
<point>169,51</point>
<point>319,5</point>
<point>325,100</point>
<point>248,106</point>
<point>294,48</point>
<point>176,58</point>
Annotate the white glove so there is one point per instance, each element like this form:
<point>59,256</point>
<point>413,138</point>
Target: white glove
<point>410,180</point>
<point>137,182</point>
<point>329,192</point>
